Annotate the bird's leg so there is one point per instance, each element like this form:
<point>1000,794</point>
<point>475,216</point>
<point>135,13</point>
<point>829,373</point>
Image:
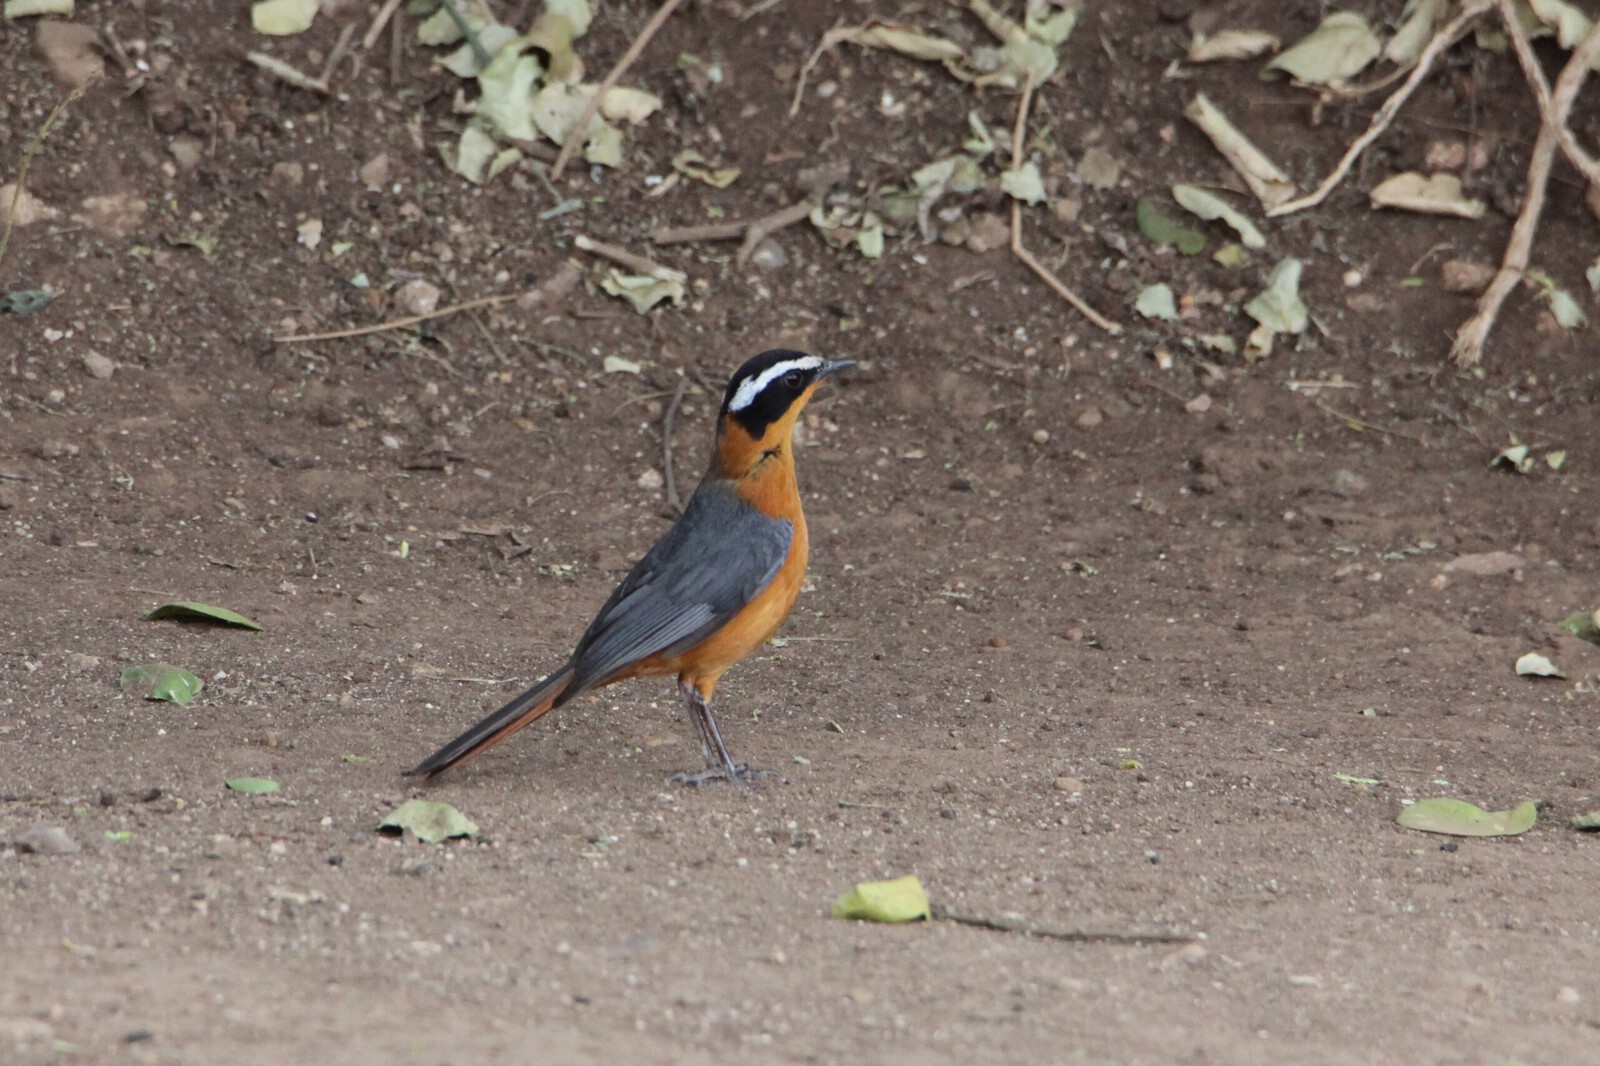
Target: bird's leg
<point>719,764</point>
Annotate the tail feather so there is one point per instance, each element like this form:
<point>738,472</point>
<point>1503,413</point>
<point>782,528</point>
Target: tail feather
<point>498,726</point>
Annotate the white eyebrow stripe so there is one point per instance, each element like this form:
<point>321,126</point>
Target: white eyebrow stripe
<point>746,394</point>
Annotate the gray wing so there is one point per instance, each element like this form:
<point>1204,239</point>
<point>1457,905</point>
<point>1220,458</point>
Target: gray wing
<point>717,558</point>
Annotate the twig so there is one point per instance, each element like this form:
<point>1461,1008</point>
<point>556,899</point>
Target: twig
<point>6,475</point>
<point>575,136</point>
<point>396,323</point>
<point>1443,39</point>
<point>467,31</point>
<point>1361,424</point>
<point>623,257</point>
<point>1535,76</point>
<point>1474,333</point>
<point>385,13</point>
<point>340,49</point>
<point>714,231</point>
<point>764,227</point>
<point>1077,936</point>
<point>289,74</point>
<point>33,148</point>
<point>1019,134</point>
<point>667,422</point>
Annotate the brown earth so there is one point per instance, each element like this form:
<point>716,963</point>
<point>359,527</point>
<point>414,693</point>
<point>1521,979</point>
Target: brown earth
<point>1077,649</point>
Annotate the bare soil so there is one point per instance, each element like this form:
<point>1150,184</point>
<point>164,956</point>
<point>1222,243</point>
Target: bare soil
<point>1078,650</point>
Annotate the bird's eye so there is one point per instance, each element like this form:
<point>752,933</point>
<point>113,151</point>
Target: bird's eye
<point>793,379</point>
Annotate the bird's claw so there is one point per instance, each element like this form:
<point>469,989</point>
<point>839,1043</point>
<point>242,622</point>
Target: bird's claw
<point>739,774</point>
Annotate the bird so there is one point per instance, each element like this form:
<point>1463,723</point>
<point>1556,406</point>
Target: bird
<point>717,584</point>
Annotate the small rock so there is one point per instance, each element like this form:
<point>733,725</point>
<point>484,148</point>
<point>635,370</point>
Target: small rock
<point>1099,169</point>
<point>1188,955</point>
<point>1090,417</point>
<point>98,365</point>
<point>961,484</point>
<point>79,663</point>
<point>417,297</point>
<point>309,232</point>
<point>374,173</point>
<point>1567,994</point>
<point>1041,436</point>
<point>1067,209</point>
<point>187,151</point>
<point>769,255</point>
<point>1069,785</point>
<point>55,449</point>
<point>1465,275</point>
<point>651,480</point>
<point>287,173</point>
<point>999,642</point>
<point>1485,564</point>
<point>989,231</point>
<point>1349,483</point>
<point>46,840</point>
<point>1199,405</point>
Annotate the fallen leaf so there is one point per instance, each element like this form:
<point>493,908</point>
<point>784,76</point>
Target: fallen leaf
<point>1414,33</point>
<point>283,18</point>
<point>1266,179</point>
<point>159,681</point>
<point>1516,457</point>
<point>1587,823</point>
<point>26,301</point>
<point>1156,301</point>
<point>189,611</point>
<point>691,163</point>
<point>1024,183</point>
<point>615,364</point>
<point>1568,20</point>
<point>1099,169</point>
<point>252,785</point>
<point>900,900</point>
<point>1163,229</point>
<point>1337,50</point>
<point>1231,44</point>
<point>1585,625</point>
<point>1278,306</point>
<point>870,240</point>
<point>1437,194</point>
<point>472,154</point>
<point>642,290</point>
<point>431,821</point>
<point>1210,206</point>
<point>28,208</point>
<point>1532,664</point>
<point>1460,818</point>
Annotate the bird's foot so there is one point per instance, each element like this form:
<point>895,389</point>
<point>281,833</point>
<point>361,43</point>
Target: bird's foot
<point>739,774</point>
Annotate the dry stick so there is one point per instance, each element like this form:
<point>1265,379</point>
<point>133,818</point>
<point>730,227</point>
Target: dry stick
<point>1080,936</point>
<point>625,258</point>
<point>1440,41</point>
<point>1474,333</point>
<point>1535,76</point>
<point>576,134</point>
<point>713,231</point>
<point>385,13</point>
<point>667,422</point>
<point>340,50</point>
<point>396,323</point>
<point>33,148</point>
<point>764,227</point>
<point>1018,134</point>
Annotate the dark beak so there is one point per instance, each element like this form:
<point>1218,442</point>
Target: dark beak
<point>833,366</point>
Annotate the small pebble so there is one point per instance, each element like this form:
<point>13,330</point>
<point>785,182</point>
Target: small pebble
<point>1069,784</point>
<point>46,840</point>
<point>98,365</point>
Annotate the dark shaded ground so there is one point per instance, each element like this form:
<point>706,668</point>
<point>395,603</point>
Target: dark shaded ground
<point>1073,651</point>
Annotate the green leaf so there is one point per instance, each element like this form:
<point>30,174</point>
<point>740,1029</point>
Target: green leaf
<point>1163,229</point>
<point>900,900</point>
<point>1024,183</point>
<point>1585,625</point>
<point>27,301</point>
<point>159,681</point>
<point>252,785</point>
<point>430,820</point>
<point>1351,779</point>
<point>189,611</point>
<point>1460,818</point>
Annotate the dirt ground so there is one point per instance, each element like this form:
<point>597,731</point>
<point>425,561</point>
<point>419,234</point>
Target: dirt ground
<point>1087,641</point>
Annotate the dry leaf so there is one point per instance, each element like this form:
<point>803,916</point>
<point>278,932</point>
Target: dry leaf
<point>1439,194</point>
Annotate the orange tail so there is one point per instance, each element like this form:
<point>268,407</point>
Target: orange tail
<point>498,726</point>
